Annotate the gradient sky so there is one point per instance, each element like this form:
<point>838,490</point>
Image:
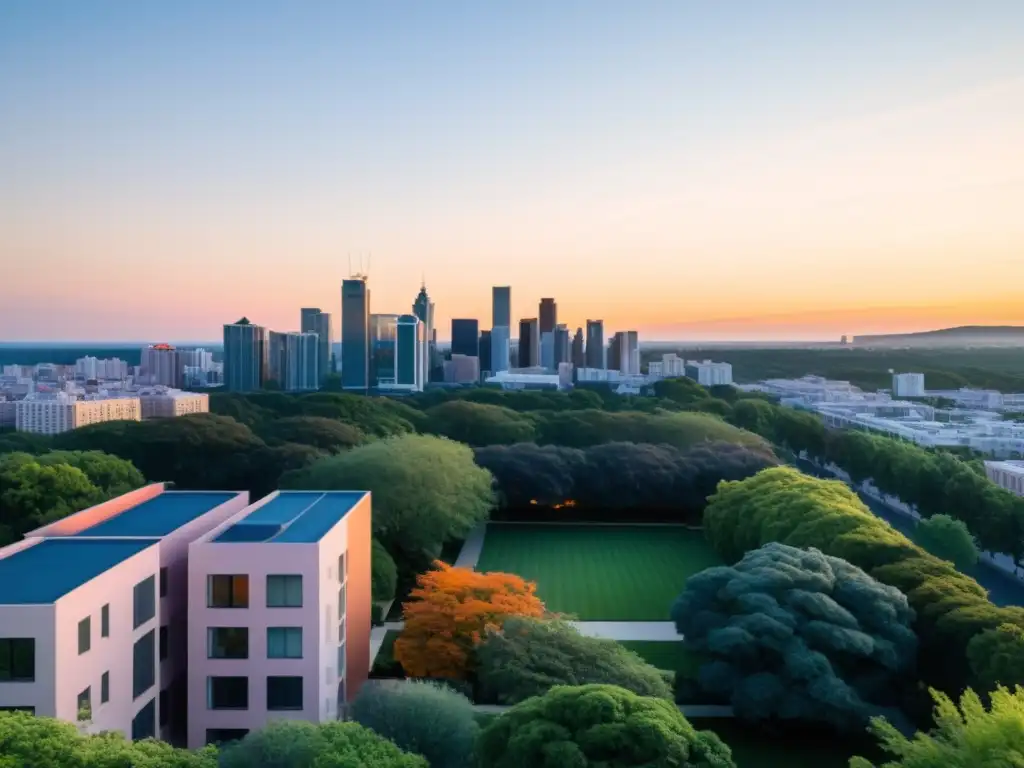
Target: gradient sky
<point>696,170</point>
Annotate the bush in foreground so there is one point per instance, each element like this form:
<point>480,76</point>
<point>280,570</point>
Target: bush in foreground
<point>383,573</point>
<point>598,725</point>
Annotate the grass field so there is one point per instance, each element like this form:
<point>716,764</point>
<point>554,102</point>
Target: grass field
<point>672,657</point>
<point>600,572</point>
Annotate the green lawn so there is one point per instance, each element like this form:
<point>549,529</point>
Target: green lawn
<point>672,657</point>
<point>752,748</point>
<point>600,572</point>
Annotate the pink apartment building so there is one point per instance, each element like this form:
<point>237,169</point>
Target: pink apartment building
<point>93,611</point>
<point>279,613</point>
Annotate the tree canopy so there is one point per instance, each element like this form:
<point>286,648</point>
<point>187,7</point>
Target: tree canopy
<point>948,539</point>
<point>328,435</point>
<point>796,634</point>
<point>997,657</point>
<point>529,656</point>
<point>383,573</point>
<point>598,725</point>
<point>479,423</point>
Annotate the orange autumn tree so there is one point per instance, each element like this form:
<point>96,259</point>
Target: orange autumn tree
<point>449,612</point>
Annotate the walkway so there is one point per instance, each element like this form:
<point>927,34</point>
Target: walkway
<point>469,555</point>
<point>660,631</point>
<point>377,635</point>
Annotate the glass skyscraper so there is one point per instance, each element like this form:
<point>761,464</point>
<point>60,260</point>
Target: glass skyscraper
<point>355,334</point>
<point>245,356</point>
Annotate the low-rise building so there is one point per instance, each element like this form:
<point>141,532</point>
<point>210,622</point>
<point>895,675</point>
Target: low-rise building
<point>462,369</point>
<point>671,366</point>
<point>165,403</point>
<point>708,373</point>
<point>908,385</point>
<point>50,413</point>
<point>1008,474</point>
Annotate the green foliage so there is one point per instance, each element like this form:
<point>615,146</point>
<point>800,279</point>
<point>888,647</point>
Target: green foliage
<point>23,442</point>
<point>324,434</point>
<point>479,424</point>
<point>967,735</point>
<point>299,744</point>
<point>383,573</point>
<point>426,490</point>
<point>949,539</point>
<point>997,657</point>
<point>598,725</point>
<point>796,634</point>
<point>378,416</point>
<point>424,718</point>
<point>683,391</point>
<point>528,657</point>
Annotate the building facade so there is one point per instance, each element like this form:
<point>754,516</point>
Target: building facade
<point>245,356</point>
<point>164,403</point>
<point>501,348</point>
<point>529,343</point>
<point>52,413</point>
<point>1007,474</point>
<point>908,385</point>
<point>548,315</point>
<point>629,353</point>
<point>709,374</point>
<point>355,334</point>
<point>423,308</point>
<point>562,345</point>
<point>312,320</point>
<point>293,360</point>
<point>484,353</point>
<point>465,337</point>
<point>613,360</point>
<point>595,351</point>
<point>578,356</point>
<point>161,364</point>
<point>462,369</point>
<point>410,357</point>
<point>501,318</point>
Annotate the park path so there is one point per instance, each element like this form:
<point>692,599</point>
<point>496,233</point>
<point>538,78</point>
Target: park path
<point>377,635</point>
<point>657,631</point>
<point>469,555</point>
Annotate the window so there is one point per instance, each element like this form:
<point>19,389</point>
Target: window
<point>144,664</point>
<point>342,567</point>
<point>284,591</point>
<point>17,660</point>
<point>225,735</point>
<point>164,642</point>
<point>284,693</point>
<point>227,692</point>
<point>84,635</point>
<point>165,706</point>
<point>144,723</point>
<point>341,660</point>
<point>85,704</point>
<point>227,642</point>
<point>341,601</point>
<point>105,688</point>
<point>144,601</point>
<point>105,621</point>
<point>163,582</point>
<point>284,642</point>
<point>227,591</point>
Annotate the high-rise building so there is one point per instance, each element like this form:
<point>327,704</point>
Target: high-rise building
<point>293,360</point>
<point>613,361</point>
<point>501,305</point>
<point>547,350</point>
<point>484,353</point>
<point>411,342</point>
<point>462,369</point>
<point>561,345</point>
<point>465,337</point>
<point>501,352</point>
<point>161,364</point>
<point>383,350</point>
<point>501,318</point>
<point>578,356</point>
<point>595,344</point>
<point>423,308</point>
<point>355,333</point>
<point>245,356</point>
<point>315,321</point>
<point>529,343</point>
<point>548,316</point>
<point>629,353</point>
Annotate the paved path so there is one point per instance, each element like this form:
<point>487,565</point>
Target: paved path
<point>664,631</point>
<point>377,637</point>
<point>469,555</point>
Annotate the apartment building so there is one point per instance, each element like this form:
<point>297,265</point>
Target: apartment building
<point>1008,474</point>
<point>165,403</point>
<point>279,613</point>
<point>93,612</point>
<point>54,412</point>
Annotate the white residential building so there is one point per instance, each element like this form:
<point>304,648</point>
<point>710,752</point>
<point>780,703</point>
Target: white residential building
<point>162,402</point>
<point>51,413</point>
<point>908,385</point>
<point>1008,474</point>
<point>671,366</point>
<point>708,373</point>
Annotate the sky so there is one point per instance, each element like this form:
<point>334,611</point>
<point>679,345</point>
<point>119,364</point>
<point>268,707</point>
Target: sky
<point>693,170</point>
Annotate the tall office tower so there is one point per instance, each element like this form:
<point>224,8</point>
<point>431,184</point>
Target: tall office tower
<point>245,356</point>
<point>613,361</point>
<point>411,341</point>
<point>595,344</point>
<point>315,321</point>
<point>578,358</point>
<point>501,305</point>
<point>484,353</point>
<point>501,317</point>
<point>548,315</point>
<point>547,350</point>
<point>465,337</point>
<point>383,350</point>
<point>561,344</point>
<point>161,364</point>
<point>423,308</point>
<point>293,360</point>
<point>629,353</point>
<point>501,352</point>
<point>355,333</point>
<point>529,343</point>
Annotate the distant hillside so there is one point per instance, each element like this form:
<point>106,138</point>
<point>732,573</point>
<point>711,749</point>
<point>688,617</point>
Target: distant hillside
<point>963,336</point>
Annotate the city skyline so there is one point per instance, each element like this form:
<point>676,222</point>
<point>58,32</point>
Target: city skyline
<point>692,172</point>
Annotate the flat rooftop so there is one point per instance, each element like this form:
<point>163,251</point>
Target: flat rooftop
<point>45,572</point>
<point>160,515</point>
<point>293,517</point>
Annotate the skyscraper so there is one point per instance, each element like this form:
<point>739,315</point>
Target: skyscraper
<point>245,356</point>
<point>547,350</point>
<point>595,344</point>
<point>501,305</point>
<point>484,352</point>
<point>162,364</point>
<point>501,348</point>
<point>383,350</point>
<point>579,359</point>
<point>529,343</point>
<point>561,334</point>
<point>293,360</point>
<point>315,321</point>
<point>614,352</point>
<point>355,333</point>
<point>409,354</point>
<point>423,308</point>
<point>548,315</point>
<point>629,352</point>
<point>465,337</point>
<point>501,327</point>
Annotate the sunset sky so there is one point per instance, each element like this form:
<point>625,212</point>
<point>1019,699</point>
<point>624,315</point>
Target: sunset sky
<point>695,170</point>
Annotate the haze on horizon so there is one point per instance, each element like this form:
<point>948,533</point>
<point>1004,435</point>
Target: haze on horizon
<point>696,170</point>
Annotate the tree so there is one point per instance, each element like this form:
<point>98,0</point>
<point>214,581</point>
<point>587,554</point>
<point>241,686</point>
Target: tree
<point>300,744</point>
<point>683,390</point>
<point>383,573</point>
<point>797,634</point>
<point>997,657</point>
<point>948,539</point>
<point>323,434</point>
<point>424,718</point>
<point>528,657</point>
<point>426,490</point>
<point>966,735</point>
<point>449,612</point>
<point>479,424</point>
<point>598,725</point>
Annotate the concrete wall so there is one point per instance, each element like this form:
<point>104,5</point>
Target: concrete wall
<point>333,624</point>
<point>37,622</point>
<point>359,597</point>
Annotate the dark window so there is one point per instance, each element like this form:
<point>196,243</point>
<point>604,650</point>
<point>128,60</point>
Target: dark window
<point>105,688</point>
<point>342,572</point>
<point>163,582</point>
<point>284,642</point>
<point>227,692</point>
<point>84,635</point>
<point>224,591</point>
<point>284,591</point>
<point>284,693</point>
<point>144,664</point>
<point>17,660</point>
<point>85,704</point>
<point>105,621</point>
<point>27,710</point>
<point>144,724</point>
<point>227,642</point>
<point>225,735</point>
<point>145,601</point>
<point>165,706</point>
<point>164,642</point>
<point>342,604</point>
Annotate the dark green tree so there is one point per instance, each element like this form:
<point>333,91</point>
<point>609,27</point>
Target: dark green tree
<point>383,573</point>
<point>328,435</point>
<point>479,424</point>
<point>948,539</point>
